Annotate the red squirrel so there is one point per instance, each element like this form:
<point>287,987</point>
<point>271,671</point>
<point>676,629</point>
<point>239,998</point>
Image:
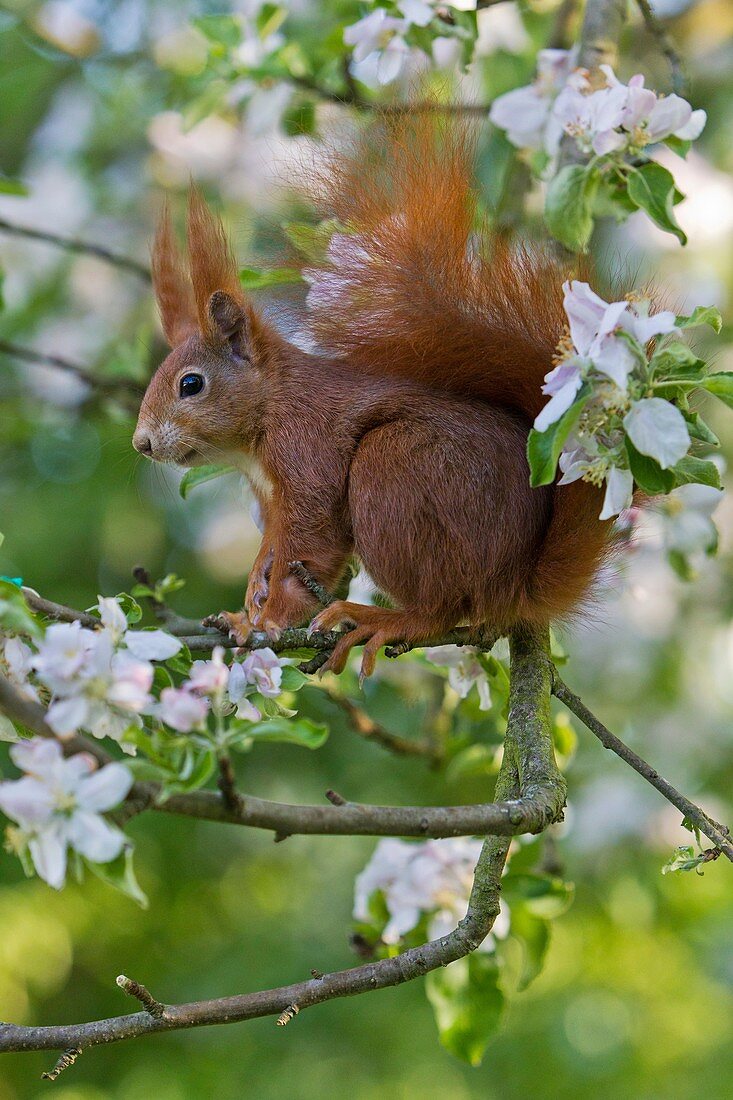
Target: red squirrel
<point>403,440</point>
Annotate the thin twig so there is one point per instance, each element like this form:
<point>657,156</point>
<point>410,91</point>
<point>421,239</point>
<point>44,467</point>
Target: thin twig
<point>105,385</point>
<point>59,612</point>
<point>366,727</point>
<point>298,569</point>
<point>678,74</point>
<point>713,830</point>
<point>66,1059</point>
<point>227,784</point>
<point>142,994</point>
<point>71,244</point>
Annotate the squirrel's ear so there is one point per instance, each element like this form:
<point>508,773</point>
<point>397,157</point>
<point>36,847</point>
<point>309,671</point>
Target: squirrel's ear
<point>172,285</point>
<point>228,317</point>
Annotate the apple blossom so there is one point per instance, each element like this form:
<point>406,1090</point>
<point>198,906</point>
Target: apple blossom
<point>209,677</point>
<point>526,113</point>
<point>464,670</point>
<point>380,51</point>
<point>263,669</point>
<point>687,513</point>
<point>182,710</point>
<point>658,429</point>
<point>433,877</point>
<point>152,645</point>
<point>58,804</point>
<point>17,660</point>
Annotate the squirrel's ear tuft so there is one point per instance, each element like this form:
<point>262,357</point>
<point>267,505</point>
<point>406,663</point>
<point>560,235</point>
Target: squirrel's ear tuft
<point>213,268</point>
<point>172,284</point>
<point>228,318</point>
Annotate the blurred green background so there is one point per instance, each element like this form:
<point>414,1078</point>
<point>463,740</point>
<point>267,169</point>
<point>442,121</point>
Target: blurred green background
<point>103,106</point>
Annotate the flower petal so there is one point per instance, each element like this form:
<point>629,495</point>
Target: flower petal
<point>152,645</point>
<point>105,788</point>
<point>27,801</point>
<point>619,492</point>
<point>658,429</point>
<point>66,716</point>
<point>94,837</point>
<point>48,852</point>
<point>559,404</point>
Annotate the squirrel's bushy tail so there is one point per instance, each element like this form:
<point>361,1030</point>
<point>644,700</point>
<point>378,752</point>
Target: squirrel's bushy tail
<point>417,286</point>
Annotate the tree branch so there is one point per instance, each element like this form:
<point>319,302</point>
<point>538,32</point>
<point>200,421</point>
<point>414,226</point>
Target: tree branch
<point>105,385</point>
<point>680,82</point>
<point>415,962</point>
<point>713,830</point>
<point>365,726</point>
<point>71,244</point>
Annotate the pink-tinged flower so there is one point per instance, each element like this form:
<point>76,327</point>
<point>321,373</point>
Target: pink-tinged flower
<point>182,710</point>
<point>131,681</point>
<point>237,691</point>
<point>58,805</point>
<point>416,11</point>
<point>263,669</point>
<point>209,677</point>
<point>562,384</point>
<point>464,670</point>
<point>526,113</point>
<point>592,118</point>
<point>431,878</point>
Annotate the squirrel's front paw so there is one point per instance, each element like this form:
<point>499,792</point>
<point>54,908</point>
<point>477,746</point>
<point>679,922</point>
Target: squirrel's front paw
<point>234,623</point>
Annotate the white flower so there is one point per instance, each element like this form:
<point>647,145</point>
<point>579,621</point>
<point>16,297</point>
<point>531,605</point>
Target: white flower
<point>182,710</point>
<point>63,654</point>
<point>464,670</point>
<point>152,645</point>
<point>238,685</point>
<point>688,524</point>
<point>446,52</point>
<point>209,677</point>
<point>380,51</point>
<point>263,669</point>
<point>433,878</point>
<point>58,804</point>
<point>619,492</point>
<point>416,11</point>
<point>658,429</point>
<point>659,117</point>
<point>595,327</point>
<point>112,616</point>
<point>18,661</point>
<point>525,113</point>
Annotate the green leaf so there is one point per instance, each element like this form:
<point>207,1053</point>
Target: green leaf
<point>685,858</point>
<point>468,1005</point>
<point>546,896</point>
<point>223,30</point>
<point>312,240</point>
<point>260,280</point>
<point>698,429</point>
<point>569,205</point>
<point>543,448</point>
<point>120,873</point>
<point>293,679</point>
<point>475,760</point>
<point>200,474</point>
<point>533,935</point>
<point>702,315</point>
<point>15,615</point>
<point>701,471</point>
<point>298,731</point>
<point>647,472</point>
<point>677,360</point>
<point>678,145</point>
<point>721,385</point>
<point>652,189</point>
<point>12,187</point>
<point>269,19</point>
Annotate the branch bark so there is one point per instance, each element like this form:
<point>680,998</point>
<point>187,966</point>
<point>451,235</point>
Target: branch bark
<point>483,908</point>
<point>72,244</point>
<point>713,830</point>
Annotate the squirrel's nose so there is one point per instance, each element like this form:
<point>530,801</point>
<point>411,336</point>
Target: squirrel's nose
<point>142,443</point>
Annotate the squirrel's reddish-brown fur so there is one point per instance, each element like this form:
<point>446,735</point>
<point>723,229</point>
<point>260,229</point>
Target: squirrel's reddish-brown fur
<point>403,439</point>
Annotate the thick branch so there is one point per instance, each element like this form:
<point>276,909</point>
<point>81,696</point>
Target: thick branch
<point>71,244</point>
<point>713,830</point>
<point>483,908</point>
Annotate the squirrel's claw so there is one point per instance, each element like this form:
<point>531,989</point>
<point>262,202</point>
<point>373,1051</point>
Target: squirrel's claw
<point>234,623</point>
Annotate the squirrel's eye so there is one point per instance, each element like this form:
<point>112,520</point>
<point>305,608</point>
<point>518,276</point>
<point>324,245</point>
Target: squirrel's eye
<point>191,384</point>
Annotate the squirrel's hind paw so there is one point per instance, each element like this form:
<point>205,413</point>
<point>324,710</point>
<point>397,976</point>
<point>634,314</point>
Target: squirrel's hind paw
<point>234,623</point>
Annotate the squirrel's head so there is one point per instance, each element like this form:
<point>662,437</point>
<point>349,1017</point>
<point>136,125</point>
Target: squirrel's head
<point>205,401</point>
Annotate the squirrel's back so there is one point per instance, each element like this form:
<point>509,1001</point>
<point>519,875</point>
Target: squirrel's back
<point>415,284</point>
